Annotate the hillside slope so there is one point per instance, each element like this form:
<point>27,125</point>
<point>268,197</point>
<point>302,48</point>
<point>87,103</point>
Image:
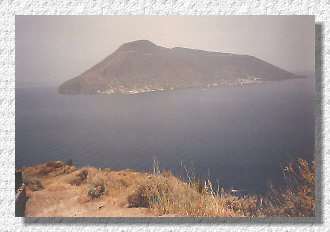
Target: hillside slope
<point>55,189</point>
<point>58,190</point>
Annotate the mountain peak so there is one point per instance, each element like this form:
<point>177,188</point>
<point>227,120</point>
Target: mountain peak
<point>138,46</point>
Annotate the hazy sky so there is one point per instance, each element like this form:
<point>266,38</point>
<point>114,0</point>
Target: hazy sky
<point>53,49</point>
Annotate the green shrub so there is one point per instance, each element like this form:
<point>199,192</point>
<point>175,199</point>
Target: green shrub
<point>96,187</point>
<point>32,182</point>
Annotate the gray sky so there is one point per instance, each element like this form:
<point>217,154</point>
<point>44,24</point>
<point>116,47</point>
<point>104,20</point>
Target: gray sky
<point>53,49</point>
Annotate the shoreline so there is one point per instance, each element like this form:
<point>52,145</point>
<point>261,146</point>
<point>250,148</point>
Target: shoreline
<point>151,90</point>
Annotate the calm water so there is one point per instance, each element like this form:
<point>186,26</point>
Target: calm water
<point>236,136</point>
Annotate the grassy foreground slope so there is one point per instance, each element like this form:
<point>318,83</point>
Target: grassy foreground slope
<point>55,189</point>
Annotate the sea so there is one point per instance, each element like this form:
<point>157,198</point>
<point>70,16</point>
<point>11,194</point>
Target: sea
<point>238,137</point>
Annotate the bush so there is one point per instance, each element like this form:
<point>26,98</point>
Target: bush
<point>54,164</point>
<point>96,187</point>
<point>83,174</point>
<point>49,167</point>
<point>69,169</point>
<point>45,170</point>
<point>248,205</point>
<point>81,177</point>
<point>298,198</point>
<point>154,194</point>
<point>139,198</point>
<point>34,183</point>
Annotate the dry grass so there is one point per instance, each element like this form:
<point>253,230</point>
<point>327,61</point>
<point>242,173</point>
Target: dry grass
<point>57,186</point>
<point>37,177</point>
<point>32,182</point>
<point>54,167</point>
<point>79,178</point>
<point>164,194</point>
<point>298,198</point>
<point>54,164</point>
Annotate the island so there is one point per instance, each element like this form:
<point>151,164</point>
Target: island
<point>142,66</point>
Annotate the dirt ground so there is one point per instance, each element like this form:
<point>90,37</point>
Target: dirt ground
<point>65,204</point>
<point>58,198</point>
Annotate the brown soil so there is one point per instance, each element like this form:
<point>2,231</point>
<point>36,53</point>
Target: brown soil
<point>58,198</point>
<point>66,204</point>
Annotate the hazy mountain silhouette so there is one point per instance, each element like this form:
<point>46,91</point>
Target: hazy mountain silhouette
<point>142,66</point>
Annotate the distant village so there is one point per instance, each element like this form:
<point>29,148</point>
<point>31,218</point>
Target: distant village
<point>135,90</point>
